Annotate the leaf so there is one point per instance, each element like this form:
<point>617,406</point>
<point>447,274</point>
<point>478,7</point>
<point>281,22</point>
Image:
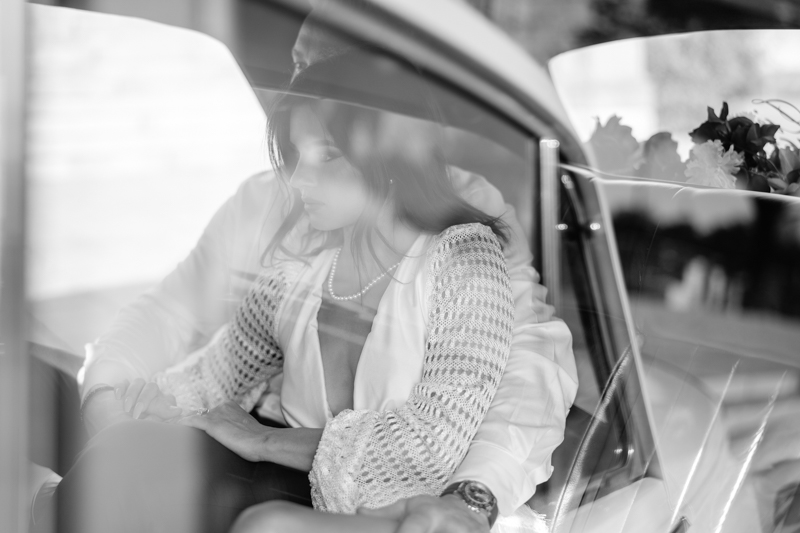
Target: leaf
<point>742,178</point>
<point>775,159</point>
<point>739,139</point>
<point>614,145</point>
<point>758,183</point>
<point>777,184</point>
<point>769,131</point>
<point>793,176</point>
<point>740,122</point>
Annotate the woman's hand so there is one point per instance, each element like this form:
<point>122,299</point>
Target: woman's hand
<point>144,400</point>
<point>431,514</point>
<point>234,428</point>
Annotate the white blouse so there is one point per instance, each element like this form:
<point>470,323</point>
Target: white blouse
<point>429,370</point>
<point>511,450</point>
<point>391,360</point>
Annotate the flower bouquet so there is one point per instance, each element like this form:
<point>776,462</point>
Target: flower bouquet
<point>728,153</point>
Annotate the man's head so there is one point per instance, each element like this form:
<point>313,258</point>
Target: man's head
<point>317,41</point>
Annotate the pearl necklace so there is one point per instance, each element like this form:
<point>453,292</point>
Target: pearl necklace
<point>362,291</point>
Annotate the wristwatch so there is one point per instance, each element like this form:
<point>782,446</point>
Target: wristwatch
<point>476,496</point>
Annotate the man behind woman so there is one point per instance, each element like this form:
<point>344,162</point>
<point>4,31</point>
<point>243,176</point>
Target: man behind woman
<point>419,403</point>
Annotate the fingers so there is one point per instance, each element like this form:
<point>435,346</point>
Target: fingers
<point>152,402</point>
<point>162,407</point>
<point>431,514</point>
<point>144,400</point>
<point>131,395</point>
<point>196,420</point>
<point>146,396</point>
<point>395,511</point>
<point>120,389</point>
<point>416,523</point>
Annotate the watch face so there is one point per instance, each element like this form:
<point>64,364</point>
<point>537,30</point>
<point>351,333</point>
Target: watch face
<point>477,495</point>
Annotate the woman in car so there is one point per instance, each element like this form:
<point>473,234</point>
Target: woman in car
<point>385,301</point>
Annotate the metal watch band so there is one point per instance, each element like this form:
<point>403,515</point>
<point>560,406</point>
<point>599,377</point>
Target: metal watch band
<point>461,490</point>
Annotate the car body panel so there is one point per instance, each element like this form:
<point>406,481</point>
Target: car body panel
<point>701,267</point>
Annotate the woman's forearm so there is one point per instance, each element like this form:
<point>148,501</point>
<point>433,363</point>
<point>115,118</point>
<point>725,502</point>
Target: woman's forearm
<point>292,447</point>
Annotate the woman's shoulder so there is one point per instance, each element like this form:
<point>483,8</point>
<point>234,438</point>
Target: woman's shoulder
<point>465,251</point>
<point>464,239</point>
<point>466,233</point>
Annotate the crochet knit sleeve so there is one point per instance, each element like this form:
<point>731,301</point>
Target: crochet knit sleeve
<point>370,459</point>
<point>237,363</point>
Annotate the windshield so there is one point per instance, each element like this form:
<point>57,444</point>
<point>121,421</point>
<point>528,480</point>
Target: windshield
<point>715,109</point>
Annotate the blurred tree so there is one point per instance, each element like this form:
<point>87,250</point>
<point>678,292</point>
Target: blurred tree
<point>544,28</point>
<point>621,19</point>
<point>548,27</point>
<point>484,6</point>
<point>686,73</point>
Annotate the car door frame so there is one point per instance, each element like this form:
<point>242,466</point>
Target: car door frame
<point>13,356</point>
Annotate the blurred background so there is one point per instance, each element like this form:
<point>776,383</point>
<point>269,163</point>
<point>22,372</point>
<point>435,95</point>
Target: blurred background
<point>546,28</point>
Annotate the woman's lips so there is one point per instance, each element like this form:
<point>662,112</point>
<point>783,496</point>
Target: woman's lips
<point>311,204</point>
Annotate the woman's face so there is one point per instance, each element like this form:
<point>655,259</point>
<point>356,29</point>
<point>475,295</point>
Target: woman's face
<point>332,190</point>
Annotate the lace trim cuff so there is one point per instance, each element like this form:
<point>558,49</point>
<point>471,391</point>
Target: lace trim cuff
<point>180,386</point>
<point>337,463</point>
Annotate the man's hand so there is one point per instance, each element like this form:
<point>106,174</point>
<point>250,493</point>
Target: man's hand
<point>100,410</point>
<point>429,514</point>
<point>143,399</point>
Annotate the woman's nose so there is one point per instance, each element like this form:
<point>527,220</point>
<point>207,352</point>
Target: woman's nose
<point>302,177</point>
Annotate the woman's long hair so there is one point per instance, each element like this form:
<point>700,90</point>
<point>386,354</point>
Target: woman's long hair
<point>400,159</point>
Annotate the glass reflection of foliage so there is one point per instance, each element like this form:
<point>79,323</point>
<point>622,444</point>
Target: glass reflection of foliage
<point>760,258</point>
<point>689,74</point>
<point>622,19</point>
<point>618,152</point>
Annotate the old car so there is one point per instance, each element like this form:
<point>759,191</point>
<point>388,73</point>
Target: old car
<point>143,117</point>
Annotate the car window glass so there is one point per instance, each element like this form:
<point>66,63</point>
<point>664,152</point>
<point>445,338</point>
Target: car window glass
<point>150,156</point>
<point>613,465</point>
<point>138,132</point>
<point>650,96</point>
<point>714,292</point>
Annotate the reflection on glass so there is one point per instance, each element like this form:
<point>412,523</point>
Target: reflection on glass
<point>671,108</point>
<point>310,300</point>
<point>714,289</point>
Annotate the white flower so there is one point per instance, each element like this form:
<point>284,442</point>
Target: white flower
<point>710,165</point>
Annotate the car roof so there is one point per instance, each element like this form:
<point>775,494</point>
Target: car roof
<point>462,38</point>
<point>460,26</point>
<point>521,87</point>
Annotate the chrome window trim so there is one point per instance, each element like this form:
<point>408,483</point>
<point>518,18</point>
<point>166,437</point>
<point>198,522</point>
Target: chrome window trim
<point>606,232</point>
<point>550,236</point>
<point>610,295</point>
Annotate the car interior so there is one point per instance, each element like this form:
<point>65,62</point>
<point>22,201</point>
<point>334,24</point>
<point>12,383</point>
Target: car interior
<point>594,457</point>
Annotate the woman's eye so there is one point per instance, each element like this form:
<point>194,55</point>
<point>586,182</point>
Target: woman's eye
<point>320,155</point>
<point>328,154</point>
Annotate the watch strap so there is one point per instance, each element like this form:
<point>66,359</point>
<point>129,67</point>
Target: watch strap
<point>453,488</point>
